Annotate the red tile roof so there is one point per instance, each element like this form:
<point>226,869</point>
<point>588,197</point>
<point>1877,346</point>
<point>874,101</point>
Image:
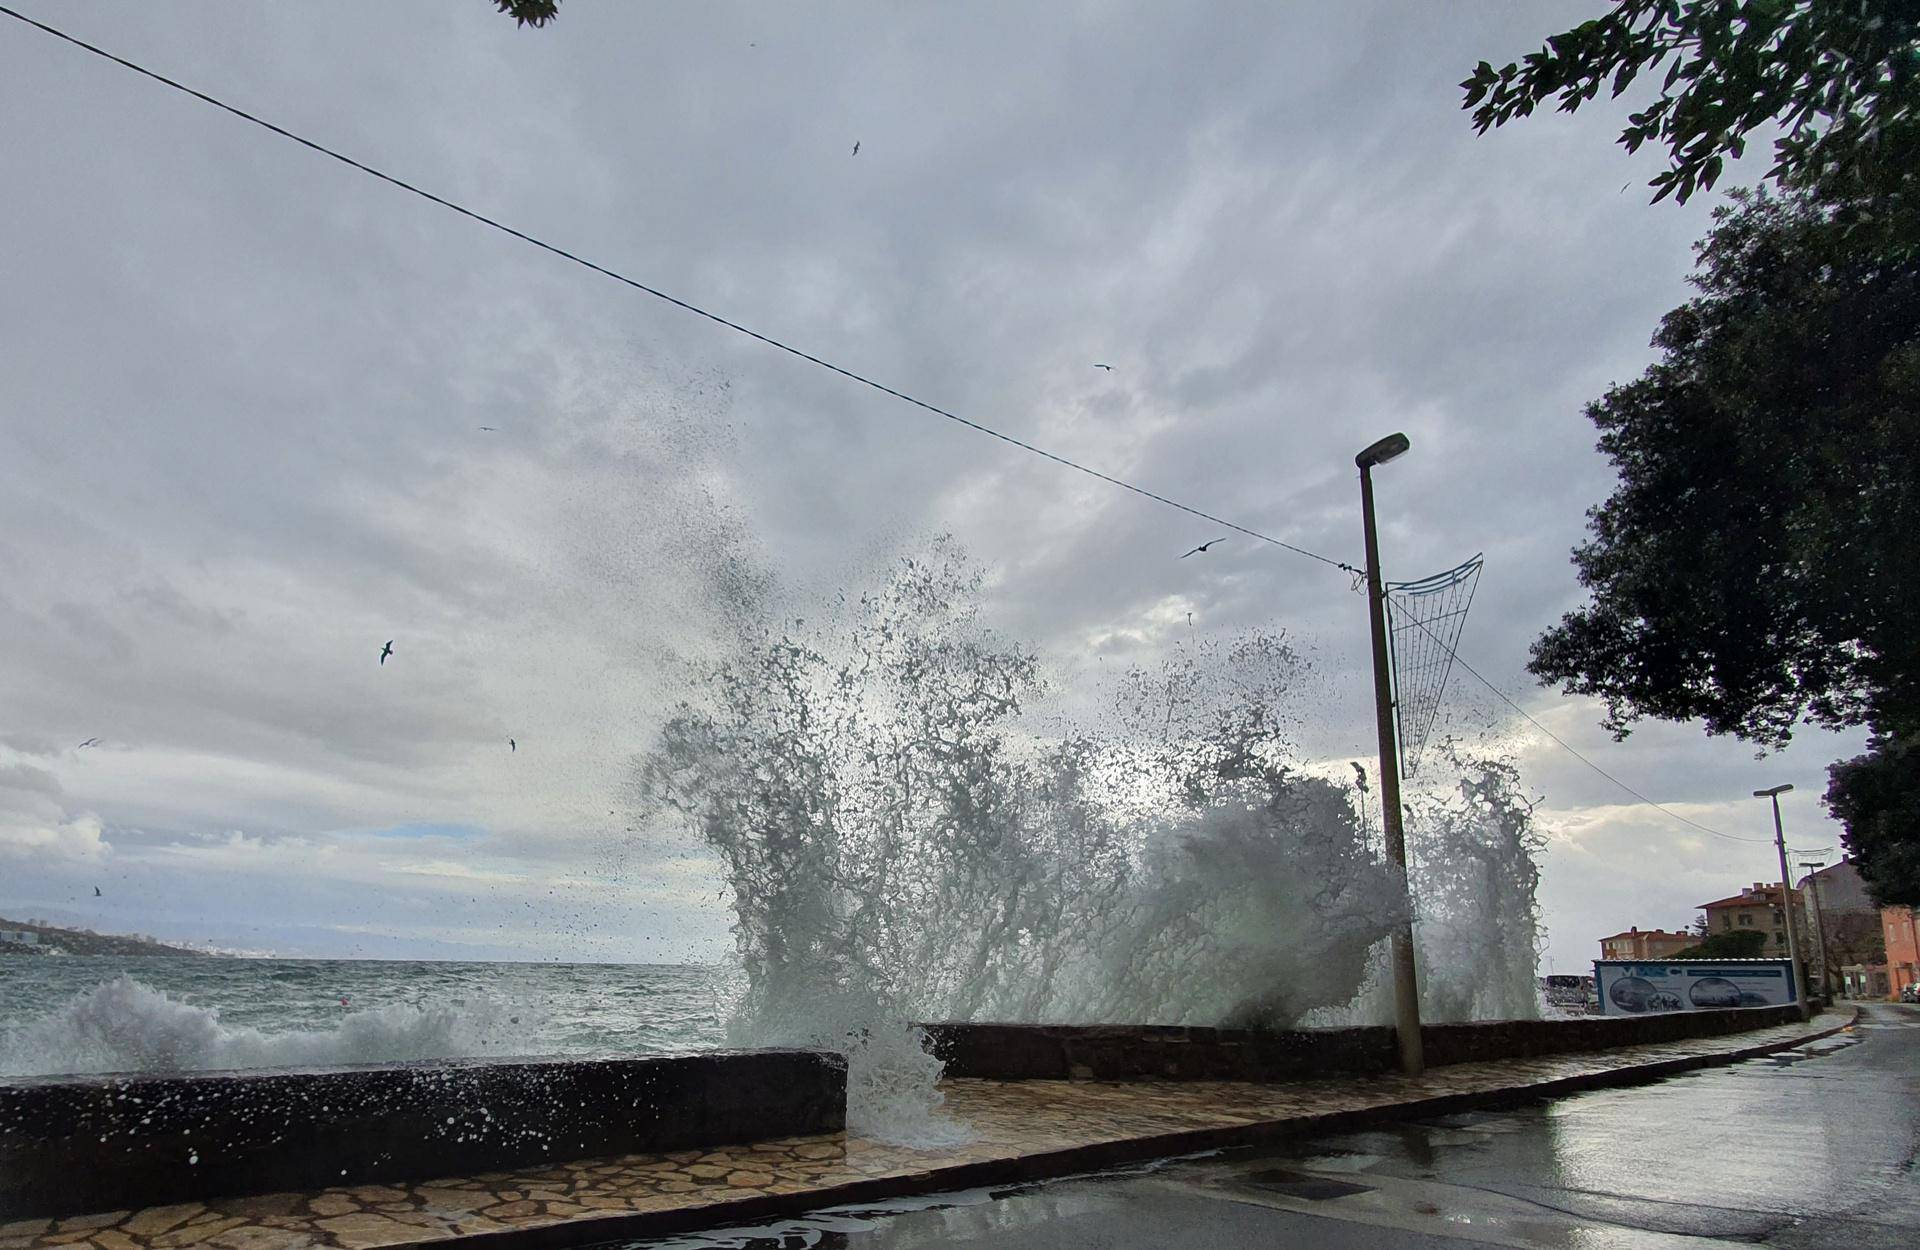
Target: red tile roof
<point>1747,898</point>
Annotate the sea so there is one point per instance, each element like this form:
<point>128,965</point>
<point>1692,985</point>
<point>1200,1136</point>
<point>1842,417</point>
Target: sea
<point>92,1014</point>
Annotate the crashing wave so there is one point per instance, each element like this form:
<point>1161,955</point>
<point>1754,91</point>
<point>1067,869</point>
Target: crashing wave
<point>903,843</point>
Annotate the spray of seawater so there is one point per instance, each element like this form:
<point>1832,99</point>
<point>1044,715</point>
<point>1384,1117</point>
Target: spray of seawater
<point>904,842</point>
<point>125,1026</point>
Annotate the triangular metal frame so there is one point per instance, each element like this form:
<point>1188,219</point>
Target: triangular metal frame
<point>1438,633</point>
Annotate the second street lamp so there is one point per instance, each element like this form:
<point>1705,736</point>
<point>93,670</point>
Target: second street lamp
<point>1406,987</point>
<point>1786,897</point>
<point>1812,868</point>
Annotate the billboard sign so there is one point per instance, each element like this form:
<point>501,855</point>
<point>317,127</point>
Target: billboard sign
<point>1633,987</point>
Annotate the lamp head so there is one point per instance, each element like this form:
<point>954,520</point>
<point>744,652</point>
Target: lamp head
<point>1384,450</point>
<point>1767,794</point>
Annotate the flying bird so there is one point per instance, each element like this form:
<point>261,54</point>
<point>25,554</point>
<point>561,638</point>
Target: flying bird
<point>90,742</point>
<point>385,652</point>
<point>96,891</point>
<point>1202,548</point>
<point>491,429</point>
<point>512,745</point>
<point>856,147</point>
<point>1108,368</point>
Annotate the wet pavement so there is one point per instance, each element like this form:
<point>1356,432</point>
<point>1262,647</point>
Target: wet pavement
<point>1810,1147</point>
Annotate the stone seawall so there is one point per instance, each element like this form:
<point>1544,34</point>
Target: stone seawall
<point>111,1142</point>
<point>1118,1052</point>
<point>1520,1039</point>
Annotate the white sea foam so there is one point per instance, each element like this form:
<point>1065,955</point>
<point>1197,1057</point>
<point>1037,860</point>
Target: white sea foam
<point>124,1026</point>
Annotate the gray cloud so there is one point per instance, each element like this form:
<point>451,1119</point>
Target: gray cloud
<point>244,387</point>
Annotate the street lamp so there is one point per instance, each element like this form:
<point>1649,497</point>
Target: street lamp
<point>1786,890</point>
<point>1388,448</point>
<point>1406,988</point>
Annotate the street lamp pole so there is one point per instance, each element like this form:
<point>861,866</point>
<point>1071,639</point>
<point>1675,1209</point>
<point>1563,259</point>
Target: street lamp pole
<point>1786,893</point>
<point>1406,988</point>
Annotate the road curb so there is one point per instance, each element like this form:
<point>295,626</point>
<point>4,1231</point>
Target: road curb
<point>1079,1160</point>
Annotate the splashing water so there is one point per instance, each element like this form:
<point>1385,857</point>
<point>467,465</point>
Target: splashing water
<point>904,843</point>
<point>124,1026</point>
<point>907,838</point>
<point>1475,874</point>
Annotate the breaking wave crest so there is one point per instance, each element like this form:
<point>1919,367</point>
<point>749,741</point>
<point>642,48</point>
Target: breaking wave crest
<point>124,1026</point>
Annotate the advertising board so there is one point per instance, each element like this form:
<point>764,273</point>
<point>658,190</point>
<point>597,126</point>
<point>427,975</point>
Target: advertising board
<point>1632,987</point>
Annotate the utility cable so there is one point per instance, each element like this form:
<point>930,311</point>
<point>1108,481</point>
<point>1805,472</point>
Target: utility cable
<point>1569,749</point>
<point>677,302</point>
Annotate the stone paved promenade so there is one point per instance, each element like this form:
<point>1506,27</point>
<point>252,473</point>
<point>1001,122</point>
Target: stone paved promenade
<point>1024,1131</point>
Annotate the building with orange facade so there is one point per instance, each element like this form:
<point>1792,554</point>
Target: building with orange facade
<point>1638,943</point>
<point>1754,909</point>
<point>1903,947</point>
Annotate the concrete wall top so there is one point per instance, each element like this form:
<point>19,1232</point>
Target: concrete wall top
<point>1165,1052</point>
<point>90,1143</point>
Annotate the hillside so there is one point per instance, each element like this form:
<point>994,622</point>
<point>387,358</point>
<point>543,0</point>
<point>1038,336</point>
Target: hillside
<point>50,940</point>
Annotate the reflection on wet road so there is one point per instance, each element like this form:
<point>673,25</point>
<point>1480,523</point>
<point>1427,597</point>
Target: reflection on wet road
<point>1813,1147</point>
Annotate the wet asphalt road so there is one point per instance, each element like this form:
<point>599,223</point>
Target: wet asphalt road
<point>1813,1147</point>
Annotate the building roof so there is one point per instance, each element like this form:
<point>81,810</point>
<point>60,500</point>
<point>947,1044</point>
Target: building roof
<point>1756,895</point>
<point>1677,933</point>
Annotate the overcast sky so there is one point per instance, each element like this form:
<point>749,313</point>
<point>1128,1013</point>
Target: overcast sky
<point>243,386</point>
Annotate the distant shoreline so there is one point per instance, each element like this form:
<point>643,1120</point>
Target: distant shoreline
<point>52,941</point>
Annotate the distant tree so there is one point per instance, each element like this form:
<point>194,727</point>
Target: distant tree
<point>529,12</point>
<point>1840,78</point>
<point>1754,566</point>
<point>1851,938</point>
<point>1734,944</point>
<point>1877,797</point>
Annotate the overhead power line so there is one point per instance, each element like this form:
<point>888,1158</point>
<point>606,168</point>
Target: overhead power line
<point>849,374</point>
<point>1569,749</point>
<point>677,302</point>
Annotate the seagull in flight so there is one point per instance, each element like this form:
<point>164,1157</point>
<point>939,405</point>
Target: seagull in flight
<point>512,745</point>
<point>385,652</point>
<point>1202,548</point>
<point>96,891</point>
<point>856,147</point>
<point>1108,368</point>
<point>491,429</point>
<point>90,742</point>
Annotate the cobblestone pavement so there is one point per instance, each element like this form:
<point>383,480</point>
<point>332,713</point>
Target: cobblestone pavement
<point>1023,1130</point>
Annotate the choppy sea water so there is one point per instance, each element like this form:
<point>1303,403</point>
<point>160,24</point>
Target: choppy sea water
<point>110,1014</point>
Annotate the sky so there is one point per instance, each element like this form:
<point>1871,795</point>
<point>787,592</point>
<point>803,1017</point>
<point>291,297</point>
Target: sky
<point>244,389</point>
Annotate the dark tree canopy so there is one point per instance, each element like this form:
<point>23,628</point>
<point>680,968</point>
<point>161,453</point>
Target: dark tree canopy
<point>1841,78</point>
<point>1877,797</point>
<point>1733,944</point>
<point>529,12</point>
<point>1755,566</point>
